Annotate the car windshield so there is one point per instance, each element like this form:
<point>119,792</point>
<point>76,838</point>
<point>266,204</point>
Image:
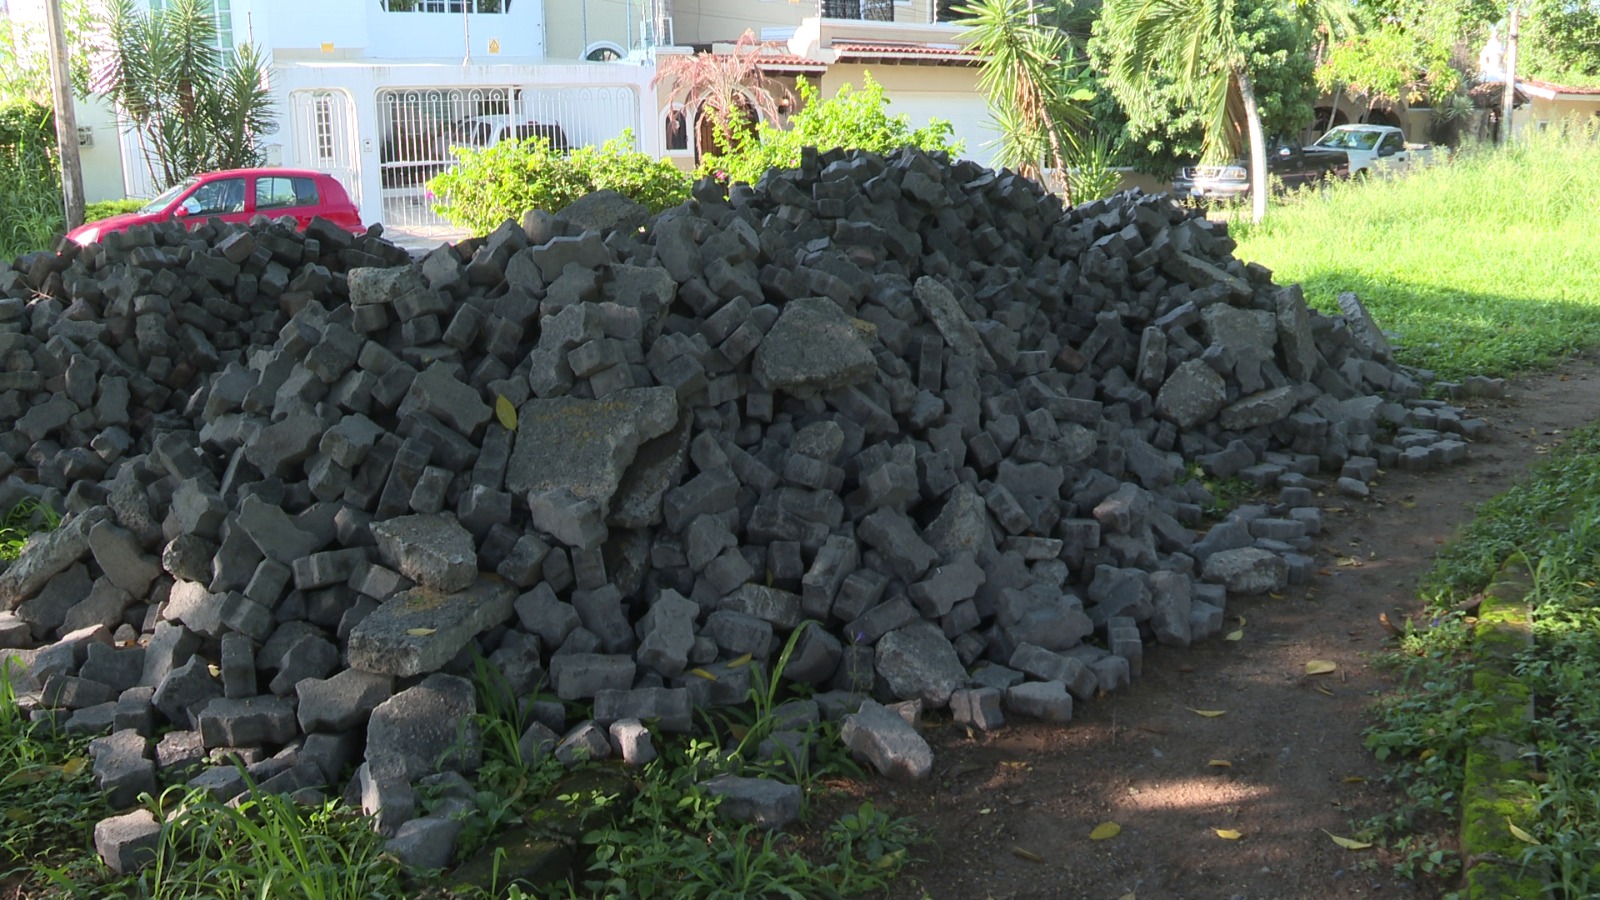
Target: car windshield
<point>167,196</point>
<point>1348,139</point>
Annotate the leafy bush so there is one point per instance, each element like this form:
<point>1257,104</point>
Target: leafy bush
<point>105,209</point>
<point>856,120</point>
<point>501,182</point>
<point>31,215</point>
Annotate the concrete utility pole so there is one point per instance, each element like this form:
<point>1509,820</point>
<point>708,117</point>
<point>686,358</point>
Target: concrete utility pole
<point>66,118</point>
<point>1508,99</point>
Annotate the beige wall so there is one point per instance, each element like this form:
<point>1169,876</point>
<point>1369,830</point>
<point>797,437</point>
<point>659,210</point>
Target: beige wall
<point>574,26</point>
<point>1544,113</point>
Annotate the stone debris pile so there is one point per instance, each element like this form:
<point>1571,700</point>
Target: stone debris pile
<point>916,404</point>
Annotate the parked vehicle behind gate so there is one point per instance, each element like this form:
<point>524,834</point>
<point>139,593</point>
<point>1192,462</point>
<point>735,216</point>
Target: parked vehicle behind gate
<point>238,195</point>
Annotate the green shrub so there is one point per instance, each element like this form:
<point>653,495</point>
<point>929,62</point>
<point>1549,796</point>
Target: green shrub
<point>488,186</point>
<point>855,120</point>
<point>31,215</point>
<point>105,209</point>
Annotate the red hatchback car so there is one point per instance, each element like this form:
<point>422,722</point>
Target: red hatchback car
<point>237,195</point>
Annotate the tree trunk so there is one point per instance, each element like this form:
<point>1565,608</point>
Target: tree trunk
<point>1060,160</point>
<point>1258,147</point>
<point>1333,112</point>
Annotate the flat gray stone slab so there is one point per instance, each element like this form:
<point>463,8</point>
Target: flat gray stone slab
<point>433,550</point>
<point>813,346</point>
<point>420,630</point>
<point>583,447</point>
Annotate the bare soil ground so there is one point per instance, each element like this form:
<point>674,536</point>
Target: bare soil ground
<point>1009,813</point>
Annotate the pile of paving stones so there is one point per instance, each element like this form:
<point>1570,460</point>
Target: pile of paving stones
<point>909,421</point>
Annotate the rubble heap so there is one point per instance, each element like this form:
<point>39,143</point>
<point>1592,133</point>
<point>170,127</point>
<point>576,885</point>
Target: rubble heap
<point>915,403</point>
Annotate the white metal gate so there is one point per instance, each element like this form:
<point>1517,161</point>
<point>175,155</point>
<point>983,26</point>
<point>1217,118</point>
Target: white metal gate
<point>324,136</point>
<point>421,125</point>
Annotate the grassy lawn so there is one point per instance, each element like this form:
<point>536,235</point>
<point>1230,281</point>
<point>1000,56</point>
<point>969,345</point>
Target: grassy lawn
<point>1482,266</point>
<point>1551,524</point>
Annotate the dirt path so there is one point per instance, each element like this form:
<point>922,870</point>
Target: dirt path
<point>1010,813</point>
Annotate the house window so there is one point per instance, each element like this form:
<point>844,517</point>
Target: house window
<point>676,125</point>
<point>322,115</point>
<point>446,6</point>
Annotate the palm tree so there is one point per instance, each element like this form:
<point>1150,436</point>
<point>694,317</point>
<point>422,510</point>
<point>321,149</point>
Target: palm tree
<point>723,89</point>
<point>195,106</point>
<point>1031,89</point>
<point>1197,44</point>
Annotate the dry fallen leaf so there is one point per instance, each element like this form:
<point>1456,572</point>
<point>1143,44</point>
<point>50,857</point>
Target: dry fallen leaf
<point>1353,779</point>
<point>1208,713</point>
<point>1426,754</point>
<point>1349,561</point>
<point>420,632</point>
<point>1234,635</point>
<point>1028,855</point>
<point>1521,835</point>
<point>1220,764</point>
<point>75,765</point>
<point>743,660</point>
<point>1105,831</point>
<point>1347,843</point>
<point>1228,834</point>
<point>1321,667</point>
<point>702,673</point>
<point>505,412</point>
<point>1324,691</point>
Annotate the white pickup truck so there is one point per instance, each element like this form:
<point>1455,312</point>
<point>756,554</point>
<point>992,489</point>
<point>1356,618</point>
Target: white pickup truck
<point>1375,148</point>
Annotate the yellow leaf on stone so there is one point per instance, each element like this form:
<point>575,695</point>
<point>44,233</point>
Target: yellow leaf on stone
<point>420,632</point>
<point>743,660</point>
<point>1220,764</point>
<point>1028,855</point>
<point>1234,635</point>
<point>1105,831</point>
<point>1228,834</point>
<point>215,670</point>
<point>1321,667</point>
<point>1208,713</point>
<point>1521,835</point>
<point>702,673</point>
<point>505,412</point>
<point>1347,843</point>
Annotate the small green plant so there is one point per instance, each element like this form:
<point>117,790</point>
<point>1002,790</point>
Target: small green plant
<point>24,520</point>
<point>266,845</point>
<point>493,184</point>
<point>851,119</point>
<point>48,798</point>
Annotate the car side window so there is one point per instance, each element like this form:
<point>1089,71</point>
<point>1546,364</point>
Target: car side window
<point>1392,143</point>
<point>215,198</point>
<point>279,192</point>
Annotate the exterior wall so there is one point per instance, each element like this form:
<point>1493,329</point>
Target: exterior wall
<point>1544,113</point>
<point>573,27</point>
<point>710,21</point>
<point>302,28</point>
<point>102,159</point>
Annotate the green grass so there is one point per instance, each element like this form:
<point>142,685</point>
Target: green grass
<point>105,209</point>
<point>1430,727</point>
<point>1483,265</point>
<point>25,519</point>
